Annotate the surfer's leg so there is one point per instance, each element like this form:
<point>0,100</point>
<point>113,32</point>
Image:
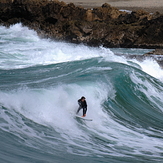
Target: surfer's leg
<point>78,110</point>
<point>84,112</point>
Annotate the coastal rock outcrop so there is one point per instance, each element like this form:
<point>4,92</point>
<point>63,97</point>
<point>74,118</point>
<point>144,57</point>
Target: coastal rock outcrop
<point>155,52</point>
<point>103,25</point>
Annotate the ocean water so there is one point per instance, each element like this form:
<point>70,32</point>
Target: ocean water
<point>40,83</point>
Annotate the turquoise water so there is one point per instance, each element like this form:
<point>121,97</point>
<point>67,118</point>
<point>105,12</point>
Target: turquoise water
<point>40,83</point>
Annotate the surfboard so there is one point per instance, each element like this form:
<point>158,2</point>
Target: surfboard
<point>84,118</point>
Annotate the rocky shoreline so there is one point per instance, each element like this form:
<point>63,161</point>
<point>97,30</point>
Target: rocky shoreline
<point>105,25</point>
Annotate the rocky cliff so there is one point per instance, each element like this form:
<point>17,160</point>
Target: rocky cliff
<point>104,25</point>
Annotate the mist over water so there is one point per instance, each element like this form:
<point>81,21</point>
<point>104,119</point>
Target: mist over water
<point>40,83</point>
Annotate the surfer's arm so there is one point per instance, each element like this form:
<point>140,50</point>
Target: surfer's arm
<point>79,102</point>
<point>85,104</point>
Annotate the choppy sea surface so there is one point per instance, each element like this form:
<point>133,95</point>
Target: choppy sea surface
<point>40,83</point>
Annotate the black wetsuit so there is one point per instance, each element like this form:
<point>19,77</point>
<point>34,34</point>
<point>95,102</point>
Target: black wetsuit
<point>82,105</point>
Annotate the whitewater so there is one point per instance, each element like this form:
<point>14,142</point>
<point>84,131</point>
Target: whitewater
<point>40,83</point>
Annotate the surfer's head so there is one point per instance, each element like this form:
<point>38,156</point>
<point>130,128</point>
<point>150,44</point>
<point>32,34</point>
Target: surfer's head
<point>82,98</point>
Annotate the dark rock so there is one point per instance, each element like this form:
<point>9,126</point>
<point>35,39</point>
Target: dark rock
<point>103,25</point>
<point>155,52</point>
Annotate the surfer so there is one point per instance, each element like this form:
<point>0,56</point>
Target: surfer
<point>82,105</point>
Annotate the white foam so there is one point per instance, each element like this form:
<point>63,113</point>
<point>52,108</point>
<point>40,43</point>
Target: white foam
<point>23,48</point>
<point>57,106</point>
<point>152,68</point>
